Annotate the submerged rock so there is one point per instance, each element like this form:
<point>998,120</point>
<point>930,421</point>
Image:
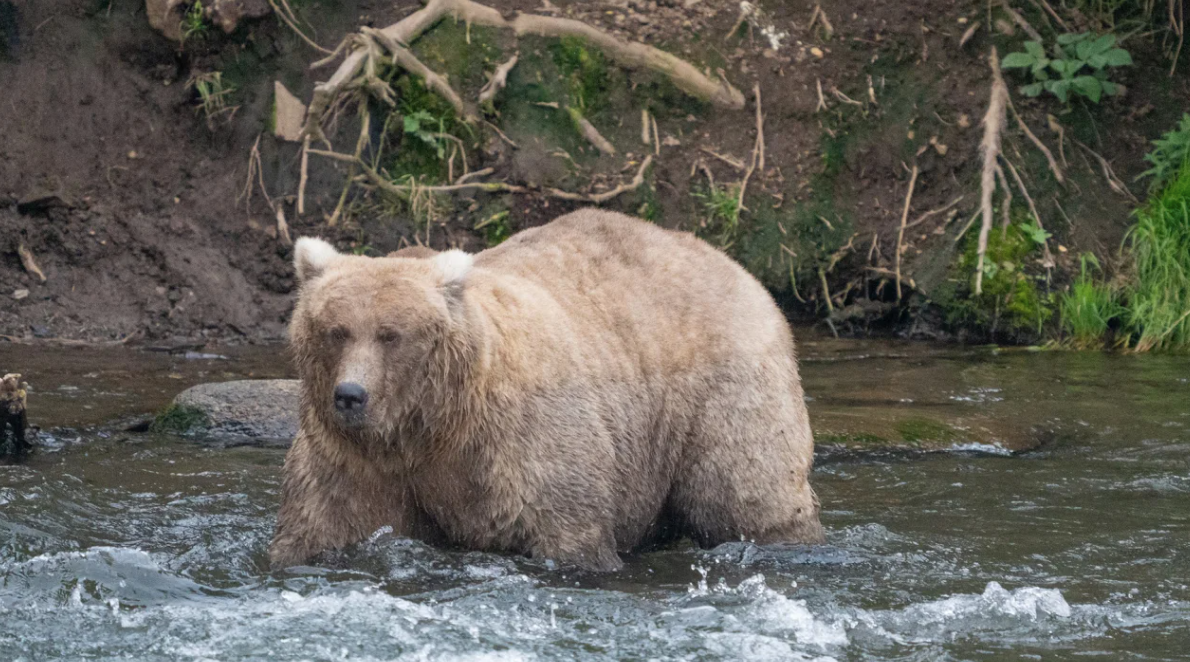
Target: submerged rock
<point>255,410</point>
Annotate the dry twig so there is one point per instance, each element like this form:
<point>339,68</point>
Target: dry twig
<point>498,81</point>
<point>598,198</point>
<point>29,263</point>
<point>901,231</point>
<point>1049,257</point>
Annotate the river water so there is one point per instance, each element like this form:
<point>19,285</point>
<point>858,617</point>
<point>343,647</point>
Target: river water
<point>117,545</point>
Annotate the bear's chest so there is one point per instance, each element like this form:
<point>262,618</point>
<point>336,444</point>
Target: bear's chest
<point>474,505</point>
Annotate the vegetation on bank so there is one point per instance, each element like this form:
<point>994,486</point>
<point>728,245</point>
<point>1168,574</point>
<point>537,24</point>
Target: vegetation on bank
<point>1019,283</point>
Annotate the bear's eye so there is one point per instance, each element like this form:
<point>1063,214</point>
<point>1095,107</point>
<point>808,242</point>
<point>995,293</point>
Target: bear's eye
<point>338,334</point>
<point>388,336</point>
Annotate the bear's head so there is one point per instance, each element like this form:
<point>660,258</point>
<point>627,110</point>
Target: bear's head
<point>373,336</point>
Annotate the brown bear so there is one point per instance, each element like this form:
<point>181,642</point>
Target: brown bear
<point>588,387</point>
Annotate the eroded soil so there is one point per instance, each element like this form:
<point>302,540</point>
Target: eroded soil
<point>133,203</point>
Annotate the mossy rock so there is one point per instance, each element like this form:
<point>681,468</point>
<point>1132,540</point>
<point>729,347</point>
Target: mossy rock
<point>180,419</point>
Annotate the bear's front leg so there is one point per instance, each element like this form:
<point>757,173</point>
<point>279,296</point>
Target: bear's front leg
<point>331,498</point>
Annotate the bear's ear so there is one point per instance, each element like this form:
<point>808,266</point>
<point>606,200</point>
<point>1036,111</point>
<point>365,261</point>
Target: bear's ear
<point>311,257</point>
<point>454,265</point>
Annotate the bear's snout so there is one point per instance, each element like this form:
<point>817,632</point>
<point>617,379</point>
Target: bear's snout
<point>350,399</point>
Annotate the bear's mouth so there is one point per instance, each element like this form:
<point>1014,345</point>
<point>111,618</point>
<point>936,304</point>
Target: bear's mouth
<point>352,420</point>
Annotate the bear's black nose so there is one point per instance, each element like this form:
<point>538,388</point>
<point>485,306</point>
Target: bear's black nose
<point>350,398</point>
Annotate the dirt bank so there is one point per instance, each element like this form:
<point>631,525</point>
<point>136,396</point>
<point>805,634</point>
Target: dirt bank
<point>132,202</point>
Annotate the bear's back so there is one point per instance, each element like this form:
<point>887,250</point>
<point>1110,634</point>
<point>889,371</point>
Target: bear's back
<point>614,272</point>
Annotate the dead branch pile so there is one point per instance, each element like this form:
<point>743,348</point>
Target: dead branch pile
<point>369,52</point>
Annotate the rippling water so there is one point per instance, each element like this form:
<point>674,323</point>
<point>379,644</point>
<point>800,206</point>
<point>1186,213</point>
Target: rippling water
<point>125,546</point>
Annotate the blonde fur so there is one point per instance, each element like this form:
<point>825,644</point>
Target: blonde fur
<point>588,387</point>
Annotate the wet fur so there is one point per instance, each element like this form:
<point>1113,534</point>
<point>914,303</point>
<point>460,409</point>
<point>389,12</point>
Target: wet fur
<point>586,388</point>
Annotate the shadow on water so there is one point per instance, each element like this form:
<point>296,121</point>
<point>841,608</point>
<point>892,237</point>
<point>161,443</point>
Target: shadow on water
<point>144,547</point>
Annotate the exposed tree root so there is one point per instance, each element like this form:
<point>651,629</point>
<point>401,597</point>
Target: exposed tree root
<point>1049,257</point>
<point>589,132</point>
<point>631,55</point>
<point>462,184</point>
<point>993,124</point>
<point>405,59</point>
<point>901,231</point>
<point>598,198</point>
<point>498,81</point>
<point>368,51</point>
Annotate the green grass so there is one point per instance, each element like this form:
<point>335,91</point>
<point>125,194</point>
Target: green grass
<point>722,206</point>
<point>1088,309</point>
<point>1159,244</point>
<point>1169,154</point>
<point>214,96</point>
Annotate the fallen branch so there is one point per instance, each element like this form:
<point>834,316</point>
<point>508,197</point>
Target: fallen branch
<point>364,133</point>
<point>1020,20</point>
<point>656,136</point>
<point>819,16</point>
<point>384,184</point>
<point>728,159</point>
<point>1110,175</point>
<point>970,32</point>
<point>588,131</point>
<point>598,198</point>
<point>901,232</point>
<point>1049,157</point>
<point>757,152</point>
<point>291,20</point>
<point>404,58</point>
<point>283,227</point>
<point>29,263</point>
<point>760,123</point>
<point>472,175</point>
<point>1006,203</point>
<point>628,54</point>
<point>498,81</point>
<point>934,212</point>
<point>993,124</point>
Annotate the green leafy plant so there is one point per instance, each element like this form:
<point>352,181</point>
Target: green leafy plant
<point>428,129</point>
<point>1035,232</point>
<point>496,228</point>
<point>194,23</point>
<point>1081,66</point>
<point>1169,154</point>
<point>1089,307</point>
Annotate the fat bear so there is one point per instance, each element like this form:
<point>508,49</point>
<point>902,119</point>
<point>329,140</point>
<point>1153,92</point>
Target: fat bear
<point>589,387</point>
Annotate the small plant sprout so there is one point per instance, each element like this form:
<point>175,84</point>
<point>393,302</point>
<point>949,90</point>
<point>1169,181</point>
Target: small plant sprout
<point>1081,66</point>
<point>1036,233</point>
<point>213,96</point>
<point>194,22</point>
